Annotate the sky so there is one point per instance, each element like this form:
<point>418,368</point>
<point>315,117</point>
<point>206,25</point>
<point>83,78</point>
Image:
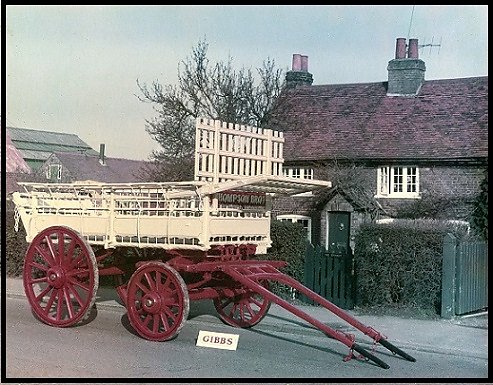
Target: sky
<point>74,69</point>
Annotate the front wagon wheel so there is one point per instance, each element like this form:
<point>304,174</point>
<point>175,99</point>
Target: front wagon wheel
<point>60,276</point>
<point>245,309</point>
<point>157,301</point>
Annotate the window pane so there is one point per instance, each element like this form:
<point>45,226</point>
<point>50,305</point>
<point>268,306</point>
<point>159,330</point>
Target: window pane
<point>398,179</point>
<point>308,173</point>
<point>384,180</point>
<point>411,179</point>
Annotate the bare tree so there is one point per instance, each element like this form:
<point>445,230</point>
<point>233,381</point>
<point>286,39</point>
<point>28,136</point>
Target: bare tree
<point>214,91</point>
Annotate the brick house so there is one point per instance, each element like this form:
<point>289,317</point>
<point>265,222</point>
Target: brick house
<point>404,147</point>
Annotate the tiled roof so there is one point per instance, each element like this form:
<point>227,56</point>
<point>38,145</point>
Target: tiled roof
<point>447,120</point>
<point>115,170</point>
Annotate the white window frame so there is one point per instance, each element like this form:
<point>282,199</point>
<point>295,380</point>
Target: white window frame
<point>389,178</point>
<point>296,219</point>
<point>53,170</point>
<point>298,172</point>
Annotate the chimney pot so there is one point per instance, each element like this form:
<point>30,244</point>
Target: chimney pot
<point>296,62</point>
<point>304,63</point>
<point>412,51</point>
<point>400,48</point>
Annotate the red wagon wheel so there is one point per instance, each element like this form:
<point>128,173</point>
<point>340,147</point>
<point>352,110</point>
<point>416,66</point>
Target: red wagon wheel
<point>157,301</point>
<point>60,276</point>
<point>245,309</point>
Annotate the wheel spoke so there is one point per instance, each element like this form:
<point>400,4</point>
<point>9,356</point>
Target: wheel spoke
<point>50,301</point>
<point>40,296</point>
<point>45,256</point>
<point>233,310</point>
<point>38,266</point>
<point>70,250</point>
<point>152,283</point>
<point>68,301</point>
<point>76,261</point>
<point>155,323</point>
<point>59,305</point>
<point>51,247</point>
<point>78,283</point>
<point>159,282</point>
<point>37,280</point>
<point>75,294</point>
<point>61,247</point>
<point>148,317</point>
<point>242,314</point>
<point>256,302</point>
<point>144,289</point>
<point>250,310</point>
<point>164,320</point>
<point>76,272</point>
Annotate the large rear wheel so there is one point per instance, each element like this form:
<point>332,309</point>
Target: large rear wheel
<point>60,276</point>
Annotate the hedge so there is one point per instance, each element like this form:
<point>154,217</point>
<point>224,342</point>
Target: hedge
<point>400,264</point>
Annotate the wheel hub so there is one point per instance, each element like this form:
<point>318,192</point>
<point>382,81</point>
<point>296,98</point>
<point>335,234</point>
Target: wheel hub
<point>151,302</point>
<point>56,277</point>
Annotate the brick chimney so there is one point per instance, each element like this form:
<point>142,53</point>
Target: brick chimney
<point>406,74</point>
<point>299,75</point>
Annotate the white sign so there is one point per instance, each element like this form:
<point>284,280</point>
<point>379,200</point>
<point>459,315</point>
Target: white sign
<point>217,340</point>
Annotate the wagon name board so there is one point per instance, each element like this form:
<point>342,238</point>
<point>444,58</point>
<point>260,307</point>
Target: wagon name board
<point>241,198</point>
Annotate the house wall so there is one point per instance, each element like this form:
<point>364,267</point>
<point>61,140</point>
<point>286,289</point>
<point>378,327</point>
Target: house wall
<point>447,192</point>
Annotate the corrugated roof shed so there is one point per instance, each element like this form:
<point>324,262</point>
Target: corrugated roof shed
<point>37,145</point>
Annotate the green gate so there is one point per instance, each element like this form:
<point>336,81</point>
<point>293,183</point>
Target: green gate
<point>330,275</point>
<point>464,277</point>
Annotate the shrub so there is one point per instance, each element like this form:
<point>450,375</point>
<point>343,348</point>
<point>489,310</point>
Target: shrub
<point>480,214</point>
<point>288,244</point>
<point>15,244</point>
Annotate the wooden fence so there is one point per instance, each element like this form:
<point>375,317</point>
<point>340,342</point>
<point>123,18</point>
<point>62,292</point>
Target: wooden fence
<point>464,277</point>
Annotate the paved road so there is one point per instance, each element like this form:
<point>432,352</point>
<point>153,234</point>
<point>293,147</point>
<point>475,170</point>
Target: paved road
<point>107,348</point>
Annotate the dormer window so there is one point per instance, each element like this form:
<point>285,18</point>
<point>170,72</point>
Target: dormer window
<point>398,182</point>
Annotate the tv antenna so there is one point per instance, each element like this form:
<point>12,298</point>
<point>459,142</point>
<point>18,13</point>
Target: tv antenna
<point>431,45</point>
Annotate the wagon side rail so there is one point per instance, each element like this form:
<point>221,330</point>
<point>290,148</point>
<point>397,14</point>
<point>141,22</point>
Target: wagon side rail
<point>142,215</point>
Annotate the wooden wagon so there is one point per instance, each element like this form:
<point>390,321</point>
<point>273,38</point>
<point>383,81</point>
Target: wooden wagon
<point>208,235</point>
